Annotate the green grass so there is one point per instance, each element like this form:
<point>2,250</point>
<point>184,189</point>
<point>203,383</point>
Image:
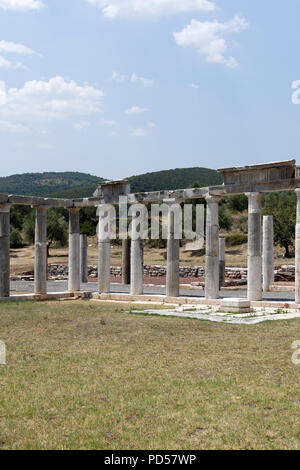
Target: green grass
<point>87,375</point>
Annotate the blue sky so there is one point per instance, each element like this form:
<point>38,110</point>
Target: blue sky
<point>122,87</point>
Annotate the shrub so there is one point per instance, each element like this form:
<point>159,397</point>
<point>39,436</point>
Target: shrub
<point>236,239</point>
<point>225,218</point>
<point>16,240</point>
<point>242,224</point>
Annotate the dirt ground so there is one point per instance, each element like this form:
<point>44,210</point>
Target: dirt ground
<point>22,259</point>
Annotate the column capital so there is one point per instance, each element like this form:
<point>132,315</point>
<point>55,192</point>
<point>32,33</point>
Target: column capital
<point>40,208</point>
<point>297,191</point>
<point>5,208</point>
<point>253,195</point>
<point>73,209</point>
<point>171,202</point>
<point>211,199</point>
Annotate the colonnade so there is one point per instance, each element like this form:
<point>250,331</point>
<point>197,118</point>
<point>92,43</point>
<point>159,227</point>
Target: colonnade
<point>260,252</point>
<point>40,247</point>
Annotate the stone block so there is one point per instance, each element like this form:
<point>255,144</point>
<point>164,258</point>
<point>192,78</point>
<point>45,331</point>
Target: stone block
<point>235,305</point>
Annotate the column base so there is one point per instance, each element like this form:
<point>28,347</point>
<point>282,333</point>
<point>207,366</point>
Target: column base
<point>212,278</point>
<point>255,278</point>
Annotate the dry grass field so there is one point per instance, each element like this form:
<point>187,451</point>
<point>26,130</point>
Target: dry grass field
<point>88,375</point>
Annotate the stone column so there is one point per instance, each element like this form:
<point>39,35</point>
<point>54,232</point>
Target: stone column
<point>40,261</point>
<point>212,248</point>
<point>83,259</point>
<point>172,288</point>
<point>297,251</point>
<point>74,250</point>
<point>254,247</point>
<point>126,246</point>
<point>104,252</point>
<point>137,259</point>
<point>4,250</point>
<point>222,261</point>
<point>268,253</point>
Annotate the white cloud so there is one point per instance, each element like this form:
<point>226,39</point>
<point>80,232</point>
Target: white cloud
<point>145,82</point>
<point>7,47</point>
<point>116,77</point>
<point>7,64</point>
<point>207,38</point>
<point>134,78</point>
<point>15,48</point>
<point>136,110</point>
<point>193,85</point>
<point>150,8</point>
<point>9,127</point>
<point>107,123</point>
<point>21,5</point>
<point>139,132</point>
<point>81,125</point>
<point>151,124</point>
<point>55,99</point>
<point>113,134</point>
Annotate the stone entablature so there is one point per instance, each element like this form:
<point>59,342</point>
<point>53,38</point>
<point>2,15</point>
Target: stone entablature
<point>263,173</point>
<point>109,190</point>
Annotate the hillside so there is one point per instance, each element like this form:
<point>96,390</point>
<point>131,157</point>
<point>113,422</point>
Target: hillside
<point>77,185</point>
<point>44,184</point>
<point>179,178</point>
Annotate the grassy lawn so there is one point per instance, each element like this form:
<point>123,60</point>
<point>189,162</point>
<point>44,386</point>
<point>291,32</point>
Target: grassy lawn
<point>87,375</point>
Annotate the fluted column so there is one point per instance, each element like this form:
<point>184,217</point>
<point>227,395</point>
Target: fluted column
<point>297,251</point>
<point>268,253</point>
<point>83,259</point>
<point>137,258</point>
<point>212,248</point>
<point>254,247</point>
<point>40,260</point>
<point>4,250</point>
<point>104,252</point>
<point>172,284</point>
<point>74,250</point>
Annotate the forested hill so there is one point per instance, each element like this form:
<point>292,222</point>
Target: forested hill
<point>180,178</point>
<point>44,184</point>
<point>76,185</point>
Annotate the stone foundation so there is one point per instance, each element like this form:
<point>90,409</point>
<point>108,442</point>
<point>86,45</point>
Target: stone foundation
<point>285,273</point>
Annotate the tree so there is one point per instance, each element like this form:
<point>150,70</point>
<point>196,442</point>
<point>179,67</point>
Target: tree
<point>17,214</point>
<point>237,203</point>
<point>88,221</point>
<point>57,228</point>
<point>29,227</point>
<point>283,208</point>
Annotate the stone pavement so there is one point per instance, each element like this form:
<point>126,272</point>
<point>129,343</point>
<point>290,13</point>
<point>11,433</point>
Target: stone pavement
<point>62,286</point>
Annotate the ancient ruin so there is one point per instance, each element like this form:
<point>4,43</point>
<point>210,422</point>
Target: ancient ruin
<point>252,180</point>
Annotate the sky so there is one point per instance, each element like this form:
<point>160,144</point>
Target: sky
<point>117,88</point>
